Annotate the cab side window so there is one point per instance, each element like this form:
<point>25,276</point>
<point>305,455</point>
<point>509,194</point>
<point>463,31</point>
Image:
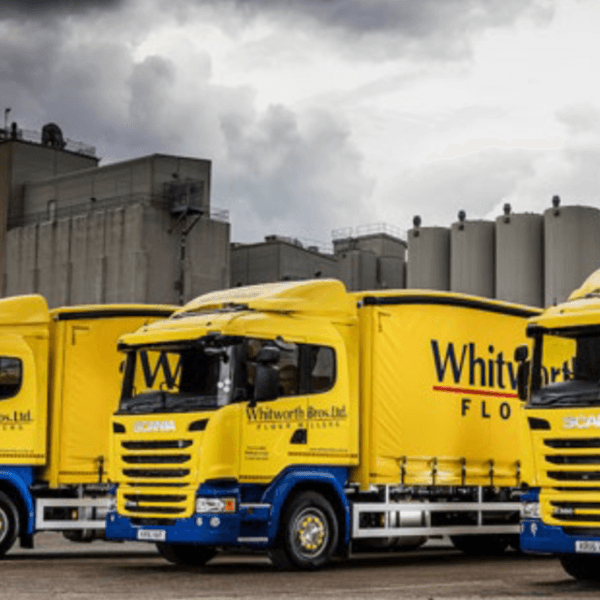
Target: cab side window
<point>288,366</point>
<point>11,377</point>
<point>322,369</point>
<point>303,368</point>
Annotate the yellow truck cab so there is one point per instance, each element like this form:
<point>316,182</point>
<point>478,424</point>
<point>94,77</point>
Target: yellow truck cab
<point>59,385</point>
<point>562,508</point>
<point>297,418</point>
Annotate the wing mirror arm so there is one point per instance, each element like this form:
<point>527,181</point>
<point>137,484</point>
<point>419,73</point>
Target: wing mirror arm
<point>523,370</point>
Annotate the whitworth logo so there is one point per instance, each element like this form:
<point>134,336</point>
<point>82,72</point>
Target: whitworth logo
<point>153,426</point>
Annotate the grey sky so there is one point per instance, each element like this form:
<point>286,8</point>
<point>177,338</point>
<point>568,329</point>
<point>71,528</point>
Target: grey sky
<point>320,114</point>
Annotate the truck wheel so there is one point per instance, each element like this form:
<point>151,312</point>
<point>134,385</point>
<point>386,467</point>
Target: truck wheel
<point>186,554</point>
<point>308,534</point>
<point>480,545</point>
<point>584,568</point>
<point>9,523</point>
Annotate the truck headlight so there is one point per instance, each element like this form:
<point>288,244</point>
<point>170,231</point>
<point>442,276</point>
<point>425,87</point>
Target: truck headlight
<point>215,505</point>
<point>531,510</point>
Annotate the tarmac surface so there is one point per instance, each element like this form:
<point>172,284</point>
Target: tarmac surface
<point>61,569</point>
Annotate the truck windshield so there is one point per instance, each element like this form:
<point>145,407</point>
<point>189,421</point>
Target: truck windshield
<point>217,370</point>
<point>171,378</point>
<point>566,368</point>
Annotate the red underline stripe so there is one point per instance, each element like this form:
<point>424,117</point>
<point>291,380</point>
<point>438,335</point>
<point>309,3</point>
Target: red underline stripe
<point>439,388</point>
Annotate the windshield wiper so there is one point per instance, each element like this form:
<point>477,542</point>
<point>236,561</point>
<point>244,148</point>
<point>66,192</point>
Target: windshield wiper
<point>180,403</point>
<point>573,392</point>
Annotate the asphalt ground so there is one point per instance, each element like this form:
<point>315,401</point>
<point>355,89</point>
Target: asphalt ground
<point>57,568</point>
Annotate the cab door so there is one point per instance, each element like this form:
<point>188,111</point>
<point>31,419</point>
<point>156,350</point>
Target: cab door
<point>274,432</point>
<point>23,400</point>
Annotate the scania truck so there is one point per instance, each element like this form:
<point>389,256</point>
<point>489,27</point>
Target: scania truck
<point>562,507</point>
<point>297,418</point>
<point>59,386</point>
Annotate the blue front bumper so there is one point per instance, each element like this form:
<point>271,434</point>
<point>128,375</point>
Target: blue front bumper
<point>539,538</point>
<point>247,527</point>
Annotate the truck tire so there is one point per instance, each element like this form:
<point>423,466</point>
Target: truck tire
<point>584,568</point>
<point>308,534</point>
<point>192,555</point>
<point>9,523</point>
<point>480,545</point>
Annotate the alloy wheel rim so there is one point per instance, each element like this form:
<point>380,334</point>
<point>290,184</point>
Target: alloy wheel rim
<point>311,532</point>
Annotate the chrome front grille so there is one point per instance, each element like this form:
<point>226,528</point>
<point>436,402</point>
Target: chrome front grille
<point>157,445</point>
<point>156,459</point>
<point>573,443</point>
<point>157,478</point>
<point>154,497</point>
<point>164,510</point>
<point>156,473</point>
<point>575,463</point>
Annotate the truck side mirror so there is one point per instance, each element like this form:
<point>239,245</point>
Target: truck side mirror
<point>266,383</point>
<point>521,354</point>
<point>523,380</point>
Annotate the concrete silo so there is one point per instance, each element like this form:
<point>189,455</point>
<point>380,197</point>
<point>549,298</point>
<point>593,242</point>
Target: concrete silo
<point>472,257</point>
<point>520,258</point>
<point>572,248</point>
<point>428,266</point>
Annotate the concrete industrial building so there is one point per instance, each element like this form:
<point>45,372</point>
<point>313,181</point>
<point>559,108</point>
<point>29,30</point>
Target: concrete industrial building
<point>278,259</point>
<point>371,259</point>
<point>527,258</point>
<point>136,231</point>
<point>144,230</point>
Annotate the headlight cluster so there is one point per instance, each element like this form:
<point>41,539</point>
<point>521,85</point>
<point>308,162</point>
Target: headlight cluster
<point>215,505</point>
<point>531,510</point>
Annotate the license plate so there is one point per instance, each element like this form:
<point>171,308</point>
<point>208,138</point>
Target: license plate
<point>153,535</point>
<point>590,547</point>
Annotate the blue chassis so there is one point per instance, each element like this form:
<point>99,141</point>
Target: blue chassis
<point>256,521</point>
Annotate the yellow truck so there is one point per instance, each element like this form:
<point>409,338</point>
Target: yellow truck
<point>298,418</point>
<point>59,385</point>
<point>561,384</point>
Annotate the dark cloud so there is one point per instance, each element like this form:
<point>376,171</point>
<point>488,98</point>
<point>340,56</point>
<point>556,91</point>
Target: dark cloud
<point>32,9</point>
<point>414,19</point>
<point>441,28</point>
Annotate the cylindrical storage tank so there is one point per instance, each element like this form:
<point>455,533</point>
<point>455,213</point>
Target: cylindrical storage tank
<point>572,249</point>
<point>472,258</point>
<point>390,272</point>
<point>428,265</point>
<point>520,259</point>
